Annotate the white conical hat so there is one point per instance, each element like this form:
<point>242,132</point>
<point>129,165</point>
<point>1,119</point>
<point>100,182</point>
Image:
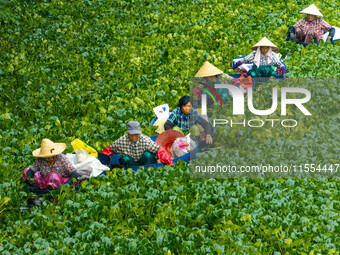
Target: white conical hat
<point>312,10</point>
<point>208,70</point>
<point>265,42</point>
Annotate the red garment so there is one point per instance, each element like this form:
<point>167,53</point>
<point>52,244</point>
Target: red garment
<point>44,182</point>
<point>107,151</point>
<point>164,156</point>
<point>244,82</point>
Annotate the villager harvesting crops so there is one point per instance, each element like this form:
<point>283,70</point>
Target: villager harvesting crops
<point>311,28</point>
<point>51,169</point>
<point>137,148</point>
<point>262,59</point>
<point>185,119</point>
<point>211,75</point>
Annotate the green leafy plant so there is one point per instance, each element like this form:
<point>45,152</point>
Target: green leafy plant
<point>83,69</point>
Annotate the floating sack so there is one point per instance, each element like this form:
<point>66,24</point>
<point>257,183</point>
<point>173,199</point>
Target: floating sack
<point>78,144</point>
<point>88,167</point>
<point>182,146</point>
<point>243,83</point>
<point>337,34</point>
<point>82,155</point>
<point>246,83</point>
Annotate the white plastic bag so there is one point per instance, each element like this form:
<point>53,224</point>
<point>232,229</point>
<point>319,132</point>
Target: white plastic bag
<point>90,167</point>
<point>82,155</point>
<point>182,146</point>
<point>162,112</point>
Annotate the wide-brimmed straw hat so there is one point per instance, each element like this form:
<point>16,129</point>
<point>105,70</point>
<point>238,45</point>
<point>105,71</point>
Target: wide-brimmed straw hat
<point>167,138</point>
<point>208,70</point>
<point>49,149</point>
<point>312,10</point>
<point>266,43</point>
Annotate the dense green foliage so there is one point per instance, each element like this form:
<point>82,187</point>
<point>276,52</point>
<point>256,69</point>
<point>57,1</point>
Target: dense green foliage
<point>145,212</point>
<point>6,10</point>
<point>82,69</point>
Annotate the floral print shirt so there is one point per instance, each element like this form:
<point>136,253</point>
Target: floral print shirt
<point>62,166</point>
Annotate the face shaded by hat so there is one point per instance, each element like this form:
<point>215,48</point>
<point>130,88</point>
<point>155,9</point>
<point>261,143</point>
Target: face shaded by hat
<point>49,149</point>
<point>133,128</point>
<point>264,50</point>
<point>134,131</point>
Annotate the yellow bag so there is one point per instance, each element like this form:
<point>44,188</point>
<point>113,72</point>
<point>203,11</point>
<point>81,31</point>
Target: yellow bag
<point>78,144</point>
<point>160,125</point>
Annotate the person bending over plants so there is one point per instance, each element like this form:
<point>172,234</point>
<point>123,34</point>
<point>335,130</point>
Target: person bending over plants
<point>211,75</point>
<point>262,59</point>
<point>311,28</point>
<point>51,169</point>
<point>185,119</point>
<point>138,149</point>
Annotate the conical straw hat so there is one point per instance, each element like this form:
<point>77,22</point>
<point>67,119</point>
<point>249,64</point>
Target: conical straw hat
<point>265,42</point>
<point>208,70</point>
<point>312,10</point>
<point>167,138</point>
<point>49,149</point>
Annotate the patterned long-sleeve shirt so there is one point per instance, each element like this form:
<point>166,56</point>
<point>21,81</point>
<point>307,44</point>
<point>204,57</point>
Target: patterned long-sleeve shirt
<point>186,121</point>
<point>62,166</point>
<point>318,26</point>
<point>263,60</point>
<point>126,147</point>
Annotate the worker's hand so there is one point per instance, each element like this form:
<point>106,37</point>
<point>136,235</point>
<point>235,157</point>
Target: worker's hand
<point>208,139</point>
<point>30,181</point>
<point>292,36</point>
<point>30,184</point>
<point>329,39</point>
<point>53,187</point>
<point>284,76</point>
<point>236,65</point>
